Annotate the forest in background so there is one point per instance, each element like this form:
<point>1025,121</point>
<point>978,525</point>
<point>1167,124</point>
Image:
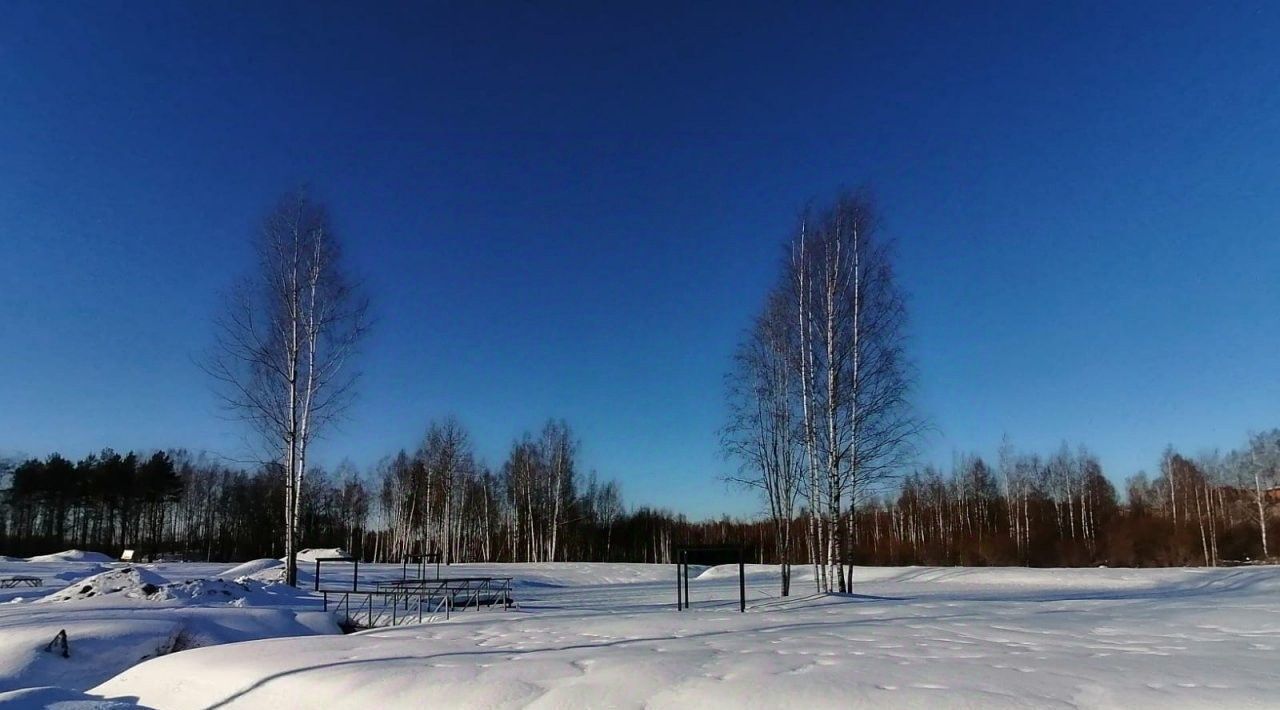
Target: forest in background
<point>1055,509</point>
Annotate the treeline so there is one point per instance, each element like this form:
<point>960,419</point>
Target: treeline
<point>1057,509</point>
<point>1061,510</point>
<point>168,503</point>
<point>537,506</point>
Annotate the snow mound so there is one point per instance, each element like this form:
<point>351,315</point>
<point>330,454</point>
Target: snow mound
<point>143,584</point>
<point>275,576</point>
<point>716,572</point>
<point>72,556</point>
<point>204,591</point>
<point>311,554</point>
<point>270,575</point>
<point>251,567</point>
<point>133,582</point>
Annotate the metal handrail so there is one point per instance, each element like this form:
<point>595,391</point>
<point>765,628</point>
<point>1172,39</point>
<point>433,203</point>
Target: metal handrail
<point>430,596</point>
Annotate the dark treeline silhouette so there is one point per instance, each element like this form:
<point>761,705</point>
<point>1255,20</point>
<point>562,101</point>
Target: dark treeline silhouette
<point>166,503</point>
<point>1020,509</point>
<point>536,507</point>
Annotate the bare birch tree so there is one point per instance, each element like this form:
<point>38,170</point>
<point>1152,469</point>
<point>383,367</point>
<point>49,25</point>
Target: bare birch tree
<point>284,343</point>
<point>819,398</point>
<point>858,424</point>
<point>763,432</point>
<point>1262,464</point>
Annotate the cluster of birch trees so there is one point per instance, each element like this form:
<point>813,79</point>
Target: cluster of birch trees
<point>820,423</point>
<point>536,508</point>
<point>819,405</point>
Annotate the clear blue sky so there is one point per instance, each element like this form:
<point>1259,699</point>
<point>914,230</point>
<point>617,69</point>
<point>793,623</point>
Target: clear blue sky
<point>574,210</point>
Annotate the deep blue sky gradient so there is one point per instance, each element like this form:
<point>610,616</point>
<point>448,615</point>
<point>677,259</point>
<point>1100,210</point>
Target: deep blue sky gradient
<point>573,210</point>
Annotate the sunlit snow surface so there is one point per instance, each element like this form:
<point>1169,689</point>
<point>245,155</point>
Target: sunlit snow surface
<point>588,636</point>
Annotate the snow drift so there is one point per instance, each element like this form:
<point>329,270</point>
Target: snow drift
<point>132,582</point>
<point>910,637</point>
<point>120,616</point>
<point>251,567</point>
<point>311,554</point>
<point>72,556</point>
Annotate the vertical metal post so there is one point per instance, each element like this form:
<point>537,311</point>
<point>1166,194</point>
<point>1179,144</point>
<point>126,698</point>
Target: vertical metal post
<point>679,586</point>
<point>742,584</point>
<point>317,575</point>
<point>686,579</point>
<point>355,572</point>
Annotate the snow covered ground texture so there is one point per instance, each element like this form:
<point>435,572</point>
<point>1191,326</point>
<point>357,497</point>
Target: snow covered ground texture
<point>117,615</point>
<point>588,636</point>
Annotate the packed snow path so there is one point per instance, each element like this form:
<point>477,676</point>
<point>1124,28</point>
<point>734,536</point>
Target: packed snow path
<point>609,636</point>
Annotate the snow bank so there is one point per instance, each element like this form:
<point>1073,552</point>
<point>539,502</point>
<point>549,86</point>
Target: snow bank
<point>245,569</point>
<point>143,584</point>
<point>72,556</point>
<point>912,637</point>
<point>106,637</point>
<point>123,615</point>
<point>132,582</point>
<point>311,554</point>
<point>276,576</point>
<point>100,646</point>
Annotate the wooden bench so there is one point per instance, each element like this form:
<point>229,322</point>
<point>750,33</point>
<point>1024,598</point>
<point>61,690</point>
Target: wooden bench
<point>19,581</point>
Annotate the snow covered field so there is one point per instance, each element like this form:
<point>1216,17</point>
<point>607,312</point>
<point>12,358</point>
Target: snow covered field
<point>608,636</point>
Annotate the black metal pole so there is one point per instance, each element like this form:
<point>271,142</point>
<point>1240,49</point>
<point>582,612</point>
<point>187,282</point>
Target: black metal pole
<point>679,586</point>
<point>355,572</point>
<point>742,584</point>
<point>686,580</point>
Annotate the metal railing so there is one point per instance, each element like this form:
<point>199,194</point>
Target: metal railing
<point>413,601</point>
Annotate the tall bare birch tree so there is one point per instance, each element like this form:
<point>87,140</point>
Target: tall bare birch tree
<point>826,367</point>
<point>285,340</point>
<point>858,424</point>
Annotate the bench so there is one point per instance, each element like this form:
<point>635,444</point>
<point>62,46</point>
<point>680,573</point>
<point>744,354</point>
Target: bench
<point>19,581</point>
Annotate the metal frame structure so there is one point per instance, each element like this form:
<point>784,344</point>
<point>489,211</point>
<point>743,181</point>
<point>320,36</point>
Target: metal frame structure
<point>415,601</point>
<point>708,554</point>
<point>421,561</point>
<point>355,569</point>
<point>405,601</point>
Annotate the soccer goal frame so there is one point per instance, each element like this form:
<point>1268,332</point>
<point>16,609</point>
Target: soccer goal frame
<point>709,555</point>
